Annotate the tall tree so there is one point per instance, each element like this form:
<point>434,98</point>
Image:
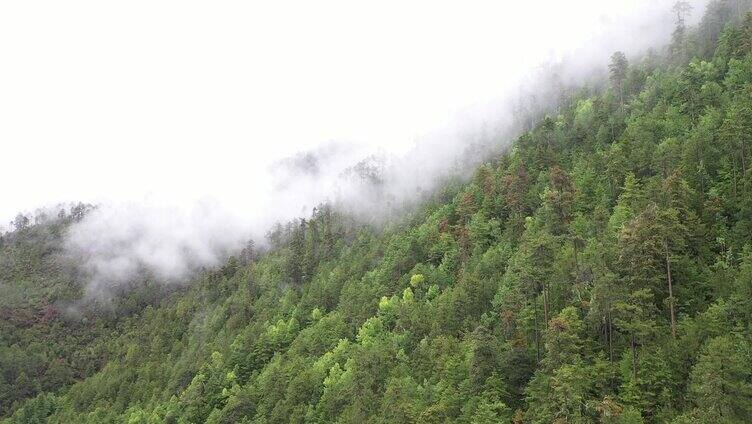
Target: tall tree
<point>681,9</point>
<point>721,381</point>
<point>618,74</point>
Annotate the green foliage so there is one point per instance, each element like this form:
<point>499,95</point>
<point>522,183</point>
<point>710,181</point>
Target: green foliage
<point>600,271</point>
<point>721,381</point>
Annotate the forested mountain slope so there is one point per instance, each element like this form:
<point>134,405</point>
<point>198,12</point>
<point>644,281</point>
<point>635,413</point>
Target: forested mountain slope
<point>600,271</point>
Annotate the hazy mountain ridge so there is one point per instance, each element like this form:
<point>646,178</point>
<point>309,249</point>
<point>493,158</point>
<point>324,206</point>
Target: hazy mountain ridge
<point>536,292</point>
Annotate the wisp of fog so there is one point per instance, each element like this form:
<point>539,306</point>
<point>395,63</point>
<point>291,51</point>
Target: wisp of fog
<point>196,127</point>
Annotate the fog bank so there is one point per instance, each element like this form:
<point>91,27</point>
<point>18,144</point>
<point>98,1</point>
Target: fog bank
<point>195,128</point>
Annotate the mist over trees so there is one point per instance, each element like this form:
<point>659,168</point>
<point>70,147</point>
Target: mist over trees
<point>599,270</point>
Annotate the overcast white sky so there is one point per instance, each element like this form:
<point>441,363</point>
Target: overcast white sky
<point>106,101</point>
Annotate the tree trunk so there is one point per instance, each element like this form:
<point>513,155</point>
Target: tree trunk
<point>537,343</point>
<point>610,337</point>
<point>634,357</point>
<point>733,168</point>
<point>545,306</point>
<point>670,293</point>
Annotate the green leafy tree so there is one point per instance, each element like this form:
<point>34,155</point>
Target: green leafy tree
<point>721,381</point>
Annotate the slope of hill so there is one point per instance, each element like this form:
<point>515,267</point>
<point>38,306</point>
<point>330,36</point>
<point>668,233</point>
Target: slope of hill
<point>600,271</point>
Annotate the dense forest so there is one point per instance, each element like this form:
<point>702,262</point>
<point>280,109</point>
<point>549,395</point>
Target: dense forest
<point>600,270</point>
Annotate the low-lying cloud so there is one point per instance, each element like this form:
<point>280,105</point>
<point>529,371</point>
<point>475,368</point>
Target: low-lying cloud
<point>213,133</point>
